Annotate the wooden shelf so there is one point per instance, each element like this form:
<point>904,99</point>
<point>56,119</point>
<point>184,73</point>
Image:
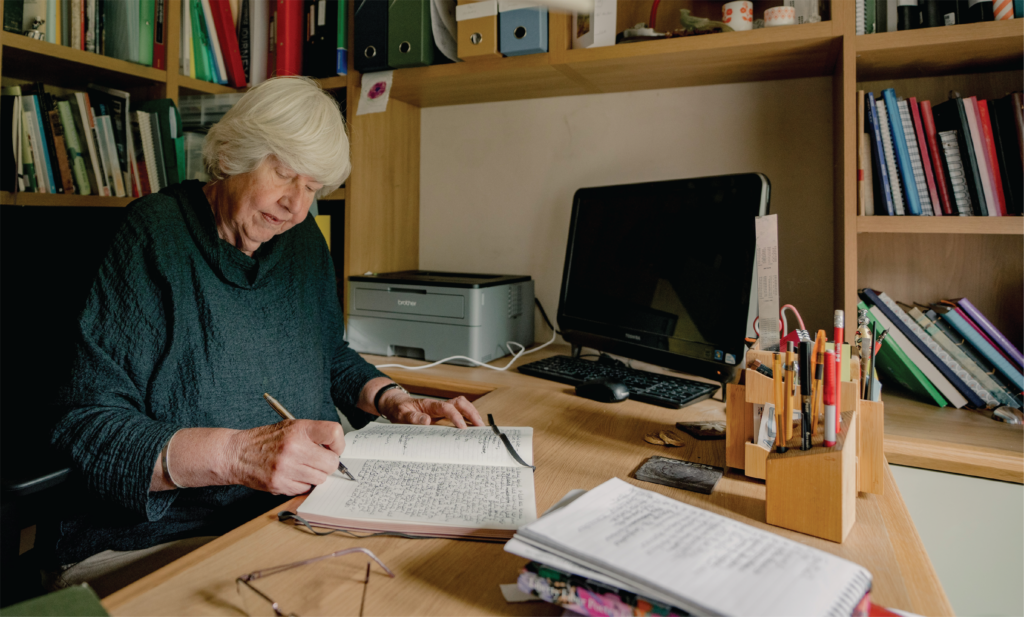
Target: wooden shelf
<point>47,199</point>
<point>198,86</point>
<point>333,83</point>
<point>338,195</point>
<point>953,440</point>
<point>947,50</point>
<point>991,225</point>
<point>33,60</point>
<point>808,50</point>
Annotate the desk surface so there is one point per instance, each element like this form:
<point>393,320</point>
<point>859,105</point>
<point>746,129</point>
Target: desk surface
<point>578,443</point>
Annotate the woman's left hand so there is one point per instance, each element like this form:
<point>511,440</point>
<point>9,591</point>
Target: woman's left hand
<point>400,408</point>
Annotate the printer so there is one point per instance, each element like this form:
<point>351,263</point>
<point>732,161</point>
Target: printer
<point>435,315</point>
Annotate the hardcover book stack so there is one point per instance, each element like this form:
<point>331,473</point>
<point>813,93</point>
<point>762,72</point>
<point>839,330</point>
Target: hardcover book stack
<point>961,157</point>
<point>230,42</point>
<point>891,15</point>
<point>946,353</point>
<point>88,143</point>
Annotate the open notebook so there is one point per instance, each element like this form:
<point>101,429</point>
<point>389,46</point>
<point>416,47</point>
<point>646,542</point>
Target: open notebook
<point>429,480</point>
<point>683,556</point>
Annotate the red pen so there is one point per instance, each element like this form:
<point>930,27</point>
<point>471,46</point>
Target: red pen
<point>839,324</point>
<point>830,399</point>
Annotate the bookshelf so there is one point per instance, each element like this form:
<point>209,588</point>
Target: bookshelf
<point>927,259</point>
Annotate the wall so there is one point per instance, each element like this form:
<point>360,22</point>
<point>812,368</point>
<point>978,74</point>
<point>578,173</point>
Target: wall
<point>973,530</point>
<point>497,179</point>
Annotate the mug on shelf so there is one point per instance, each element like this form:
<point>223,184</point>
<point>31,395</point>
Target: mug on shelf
<point>738,15</point>
<point>779,16</point>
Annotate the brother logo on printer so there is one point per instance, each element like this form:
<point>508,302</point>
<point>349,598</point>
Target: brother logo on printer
<point>406,303</point>
<point>632,336</point>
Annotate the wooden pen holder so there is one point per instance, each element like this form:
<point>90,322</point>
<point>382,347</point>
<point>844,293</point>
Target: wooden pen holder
<point>856,463</point>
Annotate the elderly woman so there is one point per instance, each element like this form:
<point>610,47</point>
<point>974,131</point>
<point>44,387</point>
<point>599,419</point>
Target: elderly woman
<point>210,296</point>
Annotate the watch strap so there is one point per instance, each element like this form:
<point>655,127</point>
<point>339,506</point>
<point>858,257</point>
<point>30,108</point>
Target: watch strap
<point>380,393</point>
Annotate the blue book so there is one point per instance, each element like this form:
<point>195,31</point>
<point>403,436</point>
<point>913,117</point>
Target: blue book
<point>47,163</point>
<point>985,348</point>
<point>871,297</point>
<point>878,160</point>
<point>899,142</point>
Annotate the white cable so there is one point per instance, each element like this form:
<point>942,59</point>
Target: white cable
<point>508,344</point>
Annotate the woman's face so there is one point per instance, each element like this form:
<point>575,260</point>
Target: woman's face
<point>258,205</point>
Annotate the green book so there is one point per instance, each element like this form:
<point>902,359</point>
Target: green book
<point>74,601</point>
<point>895,366</point>
<point>78,169</point>
<point>200,42</point>
<point>170,133</point>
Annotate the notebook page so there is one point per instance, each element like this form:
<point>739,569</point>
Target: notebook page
<point>696,557</point>
<point>438,444</point>
<point>470,496</point>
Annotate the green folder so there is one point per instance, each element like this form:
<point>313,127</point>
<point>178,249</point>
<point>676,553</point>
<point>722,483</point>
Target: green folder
<point>895,366</point>
<point>147,21</point>
<point>75,601</point>
<point>410,40</point>
<point>200,42</point>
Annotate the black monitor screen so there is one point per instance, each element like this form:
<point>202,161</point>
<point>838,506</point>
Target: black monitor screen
<point>662,271</point>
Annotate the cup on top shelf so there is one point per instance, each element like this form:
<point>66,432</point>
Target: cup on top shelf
<point>779,16</point>
<point>738,15</point>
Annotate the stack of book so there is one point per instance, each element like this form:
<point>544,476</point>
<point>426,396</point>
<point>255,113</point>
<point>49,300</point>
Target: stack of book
<point>231,42</point>
<point>962,157</point>
<point>948,353</point>
<point>89,143</point>
<point>891,15</point>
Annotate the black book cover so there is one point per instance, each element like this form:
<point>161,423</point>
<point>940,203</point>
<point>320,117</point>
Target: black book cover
<point>8,152</point>
<point>13,13</point>
<point>319,51</point>
<point>244,37</point>
<point>975,11</point>
<point>370,39</point>
<point>908,17</point>
<point>1011,168</point>
<point>951,116</point>
<point>117,107</point>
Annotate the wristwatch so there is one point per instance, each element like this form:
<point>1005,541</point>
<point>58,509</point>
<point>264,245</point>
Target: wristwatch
<point>380,393</point>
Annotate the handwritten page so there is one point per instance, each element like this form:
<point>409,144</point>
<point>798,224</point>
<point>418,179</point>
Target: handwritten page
<point>446,494</point>
<point>697,558</point>
<point>437,444</point>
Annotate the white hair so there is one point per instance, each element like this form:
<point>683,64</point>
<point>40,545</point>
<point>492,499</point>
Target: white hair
<point>291,118</point>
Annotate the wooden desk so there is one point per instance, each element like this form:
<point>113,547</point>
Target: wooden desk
<point>578,443</point>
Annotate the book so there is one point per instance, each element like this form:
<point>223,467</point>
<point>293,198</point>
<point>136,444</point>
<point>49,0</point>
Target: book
<point>220,72</point>
<point>956,172</point>
<point>74,146</point>
<point>951,115</point>
<point>147,27</point>
<point>1011,168</point>
<point>194,169</point>
<point>319,51</point>
<point>370,36</point>
<point>28,168</point>
<point>121,37</point>
<point>950,368</point>
<point>894,364</point>
<point>901,154</point>
<point>117,103</point>
<point>288,37</point>
<point>33,118</point>
<point>10,116</point>
<point>984,169</point>
<point>996,395</point>
<point>865,189</point>
<point>185,61</point>
<point>938,162</point>
<point>13,11</point>
<point>404,469</point>
<point>60,146</point>
<point>168,120</point>
<point>916,164</point>
<point>108,153</point>
<point>41,101</point>
<point>993,333</point>
<point>202,65</point>
<point>956,319</point>
<point>612,531</point>
<point>926,161</point>
<point>88,129</point>
<point>888,150</point>
<point>883,195</point>
<point>160,35</point>
<point>341,49</point>
<point>259,24</point>
<point>989,145</point>
<point>243,33</point>
<point>145,187</point>
<point>221,10</point>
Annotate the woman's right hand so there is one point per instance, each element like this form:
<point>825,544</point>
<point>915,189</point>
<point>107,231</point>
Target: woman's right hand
<point>286,458</point>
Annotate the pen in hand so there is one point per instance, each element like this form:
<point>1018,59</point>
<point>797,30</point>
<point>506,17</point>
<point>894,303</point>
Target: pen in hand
<point>284,413</point>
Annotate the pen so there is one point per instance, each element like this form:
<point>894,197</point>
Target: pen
<point>816,389</point>
<point>871,364</point>
<point>780,432</point>
<point>287,415</point>
<point>865,342</point>
<point>839,330</point>
<point>831,368</point>
<point>806,399</point>
<point>787,412</point>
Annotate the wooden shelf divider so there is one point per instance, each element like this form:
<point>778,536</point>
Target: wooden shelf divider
<point>338,195</point>
<point>967,48</point>
<point>199,86</point>
<point>990,225</point>
<point>33,60</point>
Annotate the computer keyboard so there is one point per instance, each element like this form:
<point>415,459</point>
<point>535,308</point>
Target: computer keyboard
<point>644,386</point>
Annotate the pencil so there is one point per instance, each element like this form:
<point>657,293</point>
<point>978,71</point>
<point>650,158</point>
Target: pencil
<point>780,432</point>
<point>287,415</point>
<point>790,390</point>
<point>816,391</point>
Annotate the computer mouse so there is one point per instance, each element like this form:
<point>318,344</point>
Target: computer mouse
<point>603,390</point>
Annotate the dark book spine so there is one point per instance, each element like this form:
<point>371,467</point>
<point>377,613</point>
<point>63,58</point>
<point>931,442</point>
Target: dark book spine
<point>13,13</point>
<point>932,13</point>
<point>244,35</point>
<point>882,15</point>
<point>51,149</point>
<point>979,11</point>
<point>62,150</point>
<point>908,15</point>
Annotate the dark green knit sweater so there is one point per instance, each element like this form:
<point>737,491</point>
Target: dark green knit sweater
<point>181,329</point>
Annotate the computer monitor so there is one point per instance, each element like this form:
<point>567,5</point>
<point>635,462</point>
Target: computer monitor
<point>663,272</point>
